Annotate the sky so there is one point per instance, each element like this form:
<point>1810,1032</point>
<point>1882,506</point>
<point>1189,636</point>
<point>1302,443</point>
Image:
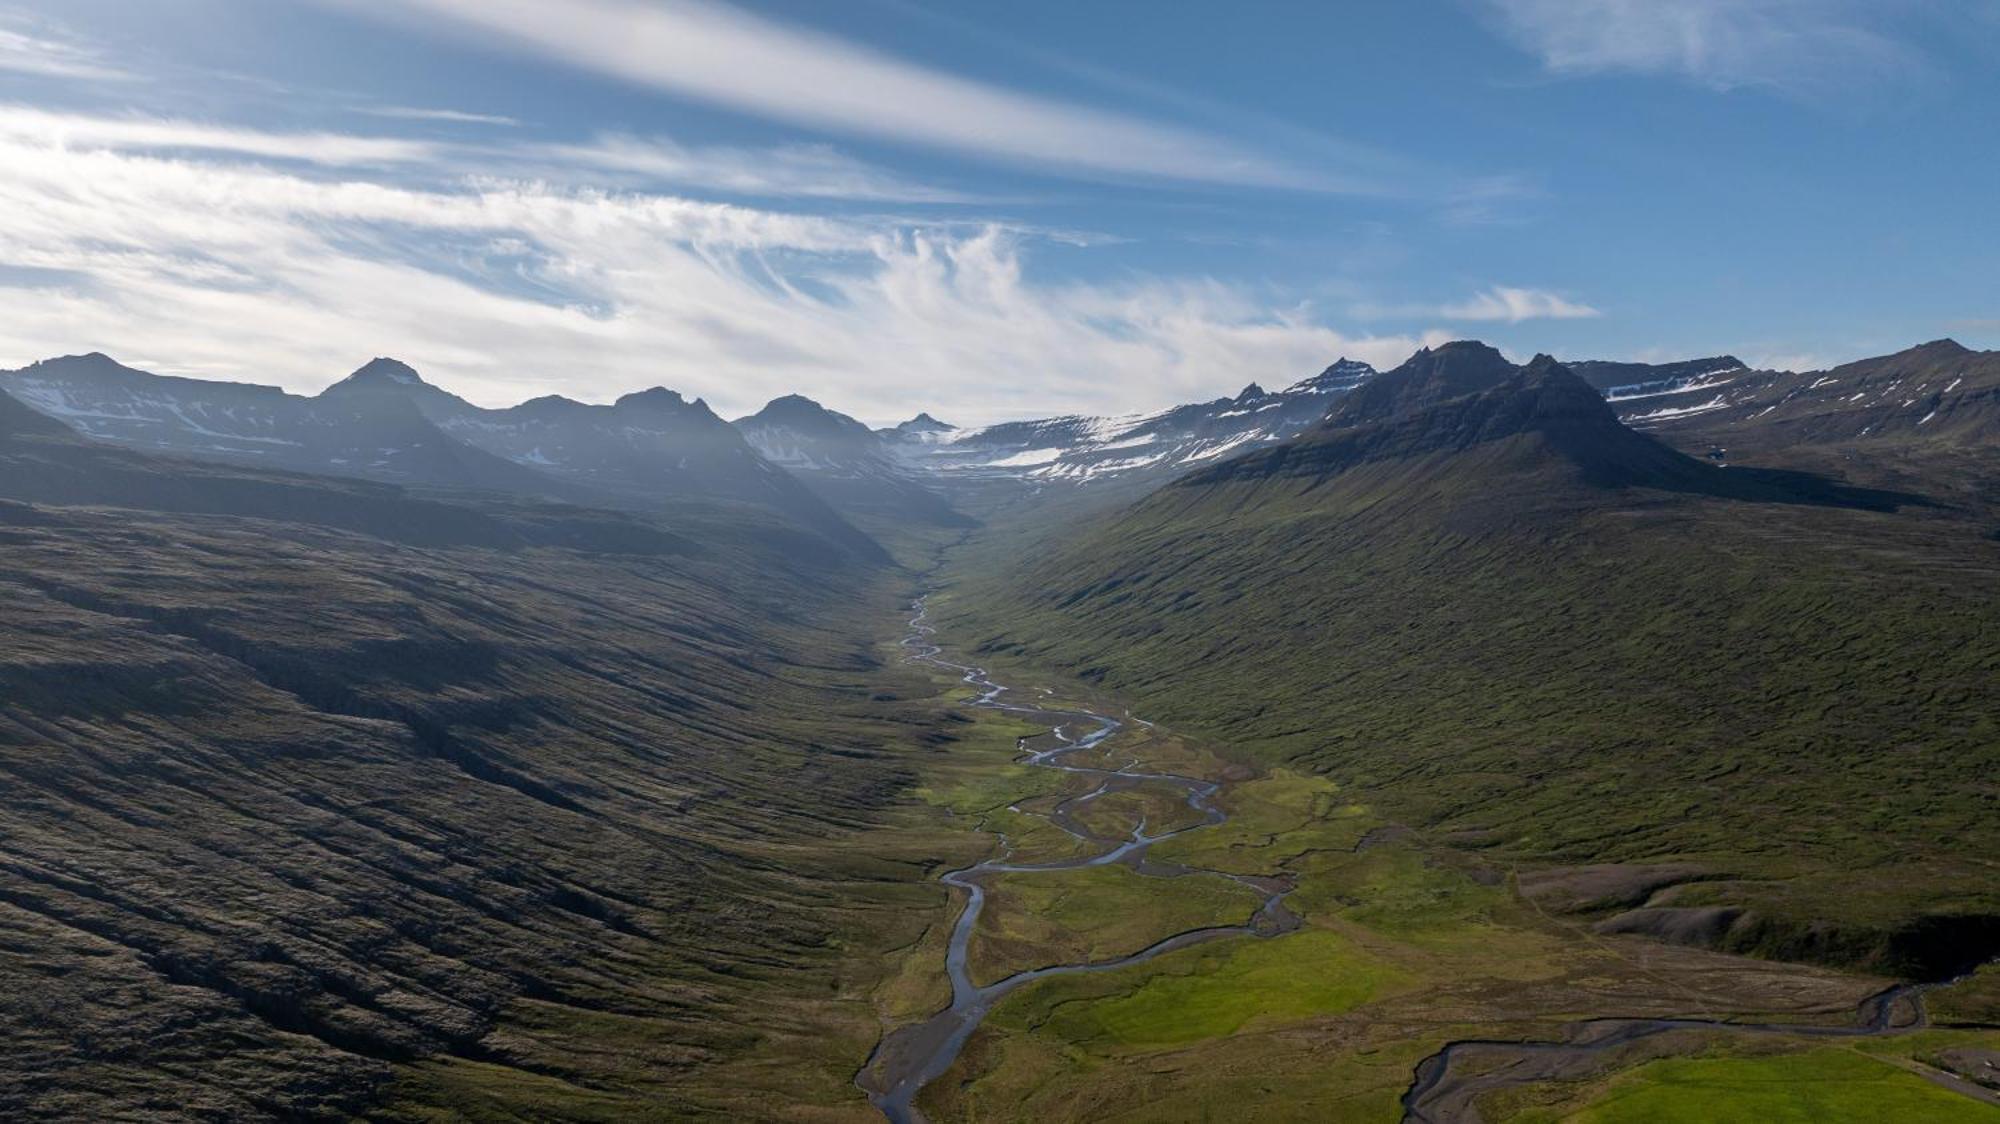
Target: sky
<point>986,211</point>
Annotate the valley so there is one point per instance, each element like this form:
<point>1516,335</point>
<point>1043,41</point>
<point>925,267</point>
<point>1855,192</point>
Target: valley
<point>1444,743</point>
<point>1393,949</point>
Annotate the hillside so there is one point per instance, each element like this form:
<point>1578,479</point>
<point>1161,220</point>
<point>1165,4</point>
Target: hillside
<point>327,799</point>
<point>1479,603</point>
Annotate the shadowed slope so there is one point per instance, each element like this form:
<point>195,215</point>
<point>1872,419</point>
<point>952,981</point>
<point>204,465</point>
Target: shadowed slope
<point>321,795</point>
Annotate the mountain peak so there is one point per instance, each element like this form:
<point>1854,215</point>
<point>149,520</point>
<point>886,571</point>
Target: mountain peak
<point>1250,393</point>
<point>654,397</point>
<point>382,370</point>
<point>1941,348</point>
<point>90,362</point>
<point>1432,375</point>
<point>1342,374</point>
<point>924,423</point>
<point>660,400</point>
<point>803,416</point>
<point>1543,413</point>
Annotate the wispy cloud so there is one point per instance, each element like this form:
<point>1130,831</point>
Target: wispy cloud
<point>1802,46</point>
<point>27,123</point>
<point>716,53</point>
<point>1510,305</point>
<point>207,262</point>
<point>794,171</point>
<point>25,53</point>
<point>451,116</point>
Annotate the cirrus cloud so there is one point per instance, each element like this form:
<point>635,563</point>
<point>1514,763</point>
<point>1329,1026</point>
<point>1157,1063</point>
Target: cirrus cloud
<point>718,53</point>
<point>1511,305</point>
<point>198,259</point>
<point>1802,46</point>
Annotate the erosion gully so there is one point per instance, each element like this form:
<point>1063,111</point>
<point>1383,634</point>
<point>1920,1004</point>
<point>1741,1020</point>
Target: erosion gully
<point>1445,1084</point>
<point>911,1057</point>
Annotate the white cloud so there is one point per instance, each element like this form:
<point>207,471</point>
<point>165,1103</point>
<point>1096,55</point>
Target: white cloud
<point>26,123</point>
<point>505,289</point>
<point>451,116</point>
<point>1803,46</point>
<point>1788,361</point>
<point>800,171</point>
<point>23,53</point>
<point>709,51</point>
<point>1511,305</point>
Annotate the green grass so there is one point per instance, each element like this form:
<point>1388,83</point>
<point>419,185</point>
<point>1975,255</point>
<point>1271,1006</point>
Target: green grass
<point>1974,999</point>
<point>1831,1085</point>
<point>1094,913</point>
<point>1208,992</point>
<point>1273,818</point>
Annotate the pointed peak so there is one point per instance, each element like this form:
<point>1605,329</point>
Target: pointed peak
<point>1250,393</point>
<point>924,423</point>
<point>375,376</point>
<point>383,369</point>
<point>1340,375</point>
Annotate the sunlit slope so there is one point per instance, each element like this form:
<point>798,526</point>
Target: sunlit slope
<point>1508,619</point>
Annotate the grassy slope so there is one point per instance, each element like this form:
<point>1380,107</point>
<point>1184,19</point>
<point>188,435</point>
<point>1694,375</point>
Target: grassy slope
<point>1822,1085</point>
<point>303,821</point>
<point>1789,695</point>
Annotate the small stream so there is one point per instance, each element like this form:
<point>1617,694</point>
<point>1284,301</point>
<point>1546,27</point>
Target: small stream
<point>1447,1083</point>
<point>1444,1086</point>
<point>912,1056</point>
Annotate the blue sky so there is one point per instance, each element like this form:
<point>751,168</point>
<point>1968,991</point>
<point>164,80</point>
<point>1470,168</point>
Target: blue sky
<point>985,210</point>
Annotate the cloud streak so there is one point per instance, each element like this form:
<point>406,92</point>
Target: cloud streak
<point>23,53</point>
<point>1800,46</point>
<point>38,126</point>
<point>448,116</point>
<point>791,171</point>
<point>206,263</point>
<point>723,55</point>
<point>1510,305</point>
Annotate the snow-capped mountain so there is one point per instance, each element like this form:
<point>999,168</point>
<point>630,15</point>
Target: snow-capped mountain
<point>344,431</point>
<point>1081,449</point>
<point>384,422</point>
<point>849,465</point>
<point>1936,391</point>
<point>800,434</point>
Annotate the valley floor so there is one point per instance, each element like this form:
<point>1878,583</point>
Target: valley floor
<point>1404,945</point>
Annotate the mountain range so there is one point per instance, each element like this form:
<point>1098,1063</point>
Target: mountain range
<point>374,754</point>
